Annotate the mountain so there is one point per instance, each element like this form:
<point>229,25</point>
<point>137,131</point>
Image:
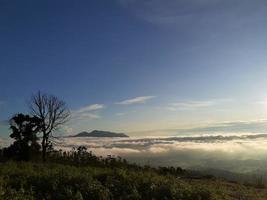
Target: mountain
<point>97,133</point>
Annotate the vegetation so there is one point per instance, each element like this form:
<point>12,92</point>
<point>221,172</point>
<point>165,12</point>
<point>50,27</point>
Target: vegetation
<point>24,129</point>
<point>79,174</point>
<point>52,113</point>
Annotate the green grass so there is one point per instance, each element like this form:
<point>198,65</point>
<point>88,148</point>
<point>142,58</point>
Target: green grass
<point>28,180</point>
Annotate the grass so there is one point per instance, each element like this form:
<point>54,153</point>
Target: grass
<point>29,180</point>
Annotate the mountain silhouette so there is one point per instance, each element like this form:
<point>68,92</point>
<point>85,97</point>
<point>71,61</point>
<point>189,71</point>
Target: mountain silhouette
<point>97,133</point>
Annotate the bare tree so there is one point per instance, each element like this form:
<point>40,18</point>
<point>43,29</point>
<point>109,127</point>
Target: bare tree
<point>52,112</point>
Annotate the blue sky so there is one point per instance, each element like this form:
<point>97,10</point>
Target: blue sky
<point>134,65</point>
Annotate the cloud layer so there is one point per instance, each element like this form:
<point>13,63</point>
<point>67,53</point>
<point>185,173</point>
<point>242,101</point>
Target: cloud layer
<point>222,152</point>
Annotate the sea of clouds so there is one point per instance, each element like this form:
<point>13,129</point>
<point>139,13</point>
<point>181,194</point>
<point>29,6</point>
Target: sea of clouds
<point>246,153</point>
<point>236,153</point>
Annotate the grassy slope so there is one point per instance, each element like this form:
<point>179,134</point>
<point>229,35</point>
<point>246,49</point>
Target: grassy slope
<point>57,181</point>
<point>233,190</point>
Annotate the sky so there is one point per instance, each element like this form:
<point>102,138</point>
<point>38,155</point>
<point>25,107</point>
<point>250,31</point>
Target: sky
<point>142,67</point>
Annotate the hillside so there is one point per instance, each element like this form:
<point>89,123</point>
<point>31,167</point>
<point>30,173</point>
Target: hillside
<point>21,180</point>
<point>97,133</point>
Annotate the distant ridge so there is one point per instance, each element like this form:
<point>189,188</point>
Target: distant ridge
<point>97,133</point>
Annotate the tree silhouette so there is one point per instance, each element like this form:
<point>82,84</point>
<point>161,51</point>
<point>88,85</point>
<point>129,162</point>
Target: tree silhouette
<point>52,112</point>
<point>24,129</point>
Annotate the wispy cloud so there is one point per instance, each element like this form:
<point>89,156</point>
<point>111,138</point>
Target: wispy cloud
<point>136,100</point>
<point>193,105</point>
<point>189,11</point>
<point>85,116</point>
<point>190,105</point>
<point>90,108</point>
<point>87,112</point>
<point>89,116</point>
<point>166,12</point>
<point>250,126</point>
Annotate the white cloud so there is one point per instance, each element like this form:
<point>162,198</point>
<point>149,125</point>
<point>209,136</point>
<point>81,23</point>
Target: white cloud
<point>190,105</point>
<point>90,108</point>
<point>87,112</point>
<point>136,100</point>
<point>193,105</point>
<point>86,116</point>
<point>228,153</point>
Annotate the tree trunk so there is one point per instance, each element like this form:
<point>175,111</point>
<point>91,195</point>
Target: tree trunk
<point>44,154</point>
<point>44,145</point>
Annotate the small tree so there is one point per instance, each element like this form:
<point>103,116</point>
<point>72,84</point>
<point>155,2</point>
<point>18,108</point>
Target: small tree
<point>24,129</point>
<point>52,112</point>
